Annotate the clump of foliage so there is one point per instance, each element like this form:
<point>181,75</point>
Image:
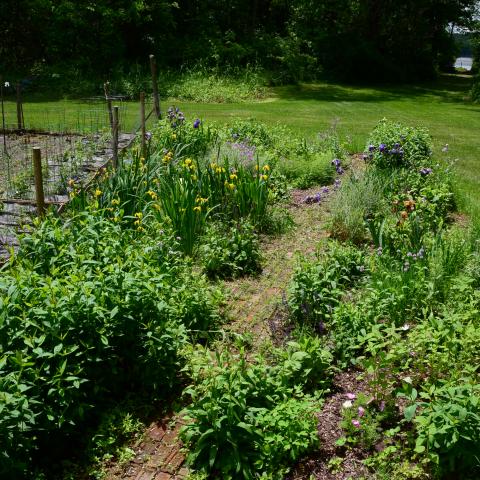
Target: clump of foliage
<point>230,250</point>
<point>394,145</point>
<point>411,323</point>
<point>251,418</point>
<point>316,288</point>
<point>309,170</point>
<point>360,197</point>
<point>107,313</point>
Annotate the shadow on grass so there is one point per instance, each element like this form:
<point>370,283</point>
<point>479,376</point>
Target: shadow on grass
<point>448,88</point>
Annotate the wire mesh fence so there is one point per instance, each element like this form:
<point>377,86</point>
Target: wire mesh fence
<point>75,140</point>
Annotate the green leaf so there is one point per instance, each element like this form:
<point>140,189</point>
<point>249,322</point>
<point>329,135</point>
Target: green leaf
<point>409,412</point>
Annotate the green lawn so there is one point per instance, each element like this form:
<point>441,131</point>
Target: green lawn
<point>313,108</point>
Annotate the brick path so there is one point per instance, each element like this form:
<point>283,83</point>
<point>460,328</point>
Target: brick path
<point>158,455</point>
<point>252,302</point>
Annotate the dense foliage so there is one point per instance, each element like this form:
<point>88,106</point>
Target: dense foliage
<point>88,312</point>
<point>404,310</point>
<point>353,38</point>
<point>108,300</point>
<point>252,418</point>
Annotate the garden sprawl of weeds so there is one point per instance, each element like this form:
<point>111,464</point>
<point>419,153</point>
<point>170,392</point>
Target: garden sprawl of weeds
<point>123,296</point>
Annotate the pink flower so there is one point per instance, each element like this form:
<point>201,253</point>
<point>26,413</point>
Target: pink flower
<point>356,423</point>
<point>361,411</point>
<point>351,396</point>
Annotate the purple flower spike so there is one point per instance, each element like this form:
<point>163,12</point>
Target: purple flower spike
<point>382,147</point>
<point>196,123</point>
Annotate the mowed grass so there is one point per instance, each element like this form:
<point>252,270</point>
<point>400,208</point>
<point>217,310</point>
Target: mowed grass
<point>443,107</point>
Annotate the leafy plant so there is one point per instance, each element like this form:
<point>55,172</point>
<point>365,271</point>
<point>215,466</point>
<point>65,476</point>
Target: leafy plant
<point>392,145</point>
<point>230,250</point>
<point>317,287</point>
<point>308,170</point>
<point>247,418</point>
<point>107,313</point>
<point>447,420</point>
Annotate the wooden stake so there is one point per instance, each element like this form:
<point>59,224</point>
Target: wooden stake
<point>19,107</point>
<point>37,170</point>
<point>3,116</point>
<point>115,137</point>
<point>142,123</point>
<point>106,89</point>
<point>156,97</point>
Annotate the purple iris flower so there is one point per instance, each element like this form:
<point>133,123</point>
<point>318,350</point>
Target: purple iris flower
<point>382,147</point>
<point>336,162</point>
<point>371,148</point>
<point>196,123</point>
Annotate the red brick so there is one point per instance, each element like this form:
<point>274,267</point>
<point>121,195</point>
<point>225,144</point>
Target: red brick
<point>174,462</point>
<point>163,476</point>
<point>146,475</point>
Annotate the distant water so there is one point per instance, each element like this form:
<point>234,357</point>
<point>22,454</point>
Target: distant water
<point>464,62</point>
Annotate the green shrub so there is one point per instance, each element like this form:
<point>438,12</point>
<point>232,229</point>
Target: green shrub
<point>393,145</point>
<point>306,171</point>
<point>447,421</point>
<point>317,287</point>
<point>249,418</point>
<point>307,362</point>
<point>106,313</point>
<point>230,250</point>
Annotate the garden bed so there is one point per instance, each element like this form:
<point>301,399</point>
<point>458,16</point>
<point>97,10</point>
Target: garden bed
<point>310,330</point>
<point>66,158</point>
